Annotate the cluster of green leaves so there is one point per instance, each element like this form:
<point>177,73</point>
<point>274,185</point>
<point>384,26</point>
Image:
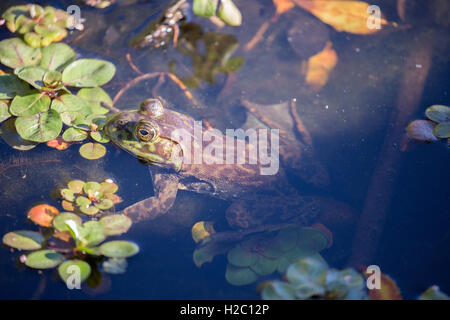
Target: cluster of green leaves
<point>37,99</point>
<point>437,127</point>
<point>90,198</point>
<point>40,26</point>
<point>227,12</point>
<point>71,242</point>
<point>262,254</point>
<point>309,278</point>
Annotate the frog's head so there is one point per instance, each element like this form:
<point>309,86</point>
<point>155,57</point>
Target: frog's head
<point>138,132</point>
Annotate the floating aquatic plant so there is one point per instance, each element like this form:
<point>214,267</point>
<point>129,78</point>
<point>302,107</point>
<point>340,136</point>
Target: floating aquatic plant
<point>39,26</point>
<point>38,101</point>
<point>227,11</point>
<point>69,241</point>
<point>437,127</point>
<point>262,254</point>
<point>89,197</point>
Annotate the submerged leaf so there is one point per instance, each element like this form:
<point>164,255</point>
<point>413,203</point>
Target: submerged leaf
<point>115,265</point>
<point>12,138</point>
<point>442,130</point>
<point>115,224</point>
<point>10,86</point>
<point>438,113</point>
<point>421,130</point>
<point>240,276</point>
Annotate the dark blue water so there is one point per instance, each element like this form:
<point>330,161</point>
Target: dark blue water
<point>348,120</point>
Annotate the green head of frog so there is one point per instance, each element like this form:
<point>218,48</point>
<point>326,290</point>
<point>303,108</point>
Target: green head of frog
<point>139,133</point>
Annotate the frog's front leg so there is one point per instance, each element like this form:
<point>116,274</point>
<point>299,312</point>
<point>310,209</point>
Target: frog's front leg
<point>165,186</point>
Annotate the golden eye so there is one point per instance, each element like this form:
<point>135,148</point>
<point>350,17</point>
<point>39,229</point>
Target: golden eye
<point>145,132</point>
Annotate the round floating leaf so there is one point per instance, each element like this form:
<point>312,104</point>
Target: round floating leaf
<point>92,151</point>
<point>83,201</point>
<point>9,133</point>
<point>312,239</point>
<point>104,204</point>
<point>229,13</point>
<point>11,85</point>
<point>115,224</point>
<point>119,249</point>
<point>60,220</point>
<point>44,259</point>
<point>264,266</point>
<point>94,97</point>
<point>23,240</point>
<point>34,75</point>
<point>108,186</point>
<point>88,73</point>
<point>4,110</point>
<point>74,134</point>
<point>438,113</point>
<point>29,104</point>
<point>89,210</point>
<point>92,232</point>
<point>99,136</point>
<point>69,103</point>
<point>91,186</point>
<point>433,293</point>
<point>240,276</point>
<point>442,130</point>
<point>115,265</point>
<point>240,257</point>
<point>74,267</point>
<point>202,230</point>
<point>57,56</point>
<point>39,127</point>
<point>76,186</point>
<point>68,206</point>
<point>15,53</point>
<point>43,214</point>
<point>68,195</point>
<point>421,130</point>
<point>306,271</point>
<point>285,240</point>
<point>277,290</point>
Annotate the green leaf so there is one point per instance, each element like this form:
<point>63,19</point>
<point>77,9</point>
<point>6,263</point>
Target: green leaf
<point>119,249</point>
<point>94,97</point>
<point>15,53</point>
<point>9,134</point>
<point>69,103</point>
<point>115,224</point>
<point>88,73</point>
<point>92,151</point>
<point>57,56</point>
<point>82,201</point>
<point>312,239</point>
<point>39,127</point>
<point>240,276</point>
<point>99,136</point>
<point>29,104</point>
<point>52,78</point>
<point>108,186</point>
<point>44,259</point>
<point>92,233</point>
<point>264,266</point>
<point>10,86</point>
<point>229,13</point>
<point>74,134</point>
<point>438,113</point>
<point>23,240</point>
<point>76,185</point>
<point>71,267</point>
<point>104,204</point>
<point>4,110</point>
<point>442,130</point>
<point>59,222</point>
<point>34,75</point>
<point>91,186</point>
<point>205,8</point>
<point>240,257</point>
<point>68,195</point>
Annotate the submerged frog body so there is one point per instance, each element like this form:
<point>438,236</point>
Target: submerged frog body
<point>170,143</point>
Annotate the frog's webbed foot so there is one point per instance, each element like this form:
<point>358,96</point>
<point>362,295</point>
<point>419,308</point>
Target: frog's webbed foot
<point>165,188</point>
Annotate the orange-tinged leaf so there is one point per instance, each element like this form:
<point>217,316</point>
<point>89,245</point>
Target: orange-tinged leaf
<point>319,67</point>
<point>68,206</point>
<point>58,143</point>
<point>388,291</point>
<point>348,16</point>
<point>43,214</point>
<point>283,5</point>
<point>202,230</point>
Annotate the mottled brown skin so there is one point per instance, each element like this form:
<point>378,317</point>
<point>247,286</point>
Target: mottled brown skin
<point>258,199</point>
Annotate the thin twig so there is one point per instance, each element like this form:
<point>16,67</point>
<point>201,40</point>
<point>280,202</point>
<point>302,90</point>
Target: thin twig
<point>134,82</point>
<point>132,65</point>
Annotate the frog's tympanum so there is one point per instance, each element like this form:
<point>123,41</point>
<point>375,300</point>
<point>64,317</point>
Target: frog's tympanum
<point>184,155</point>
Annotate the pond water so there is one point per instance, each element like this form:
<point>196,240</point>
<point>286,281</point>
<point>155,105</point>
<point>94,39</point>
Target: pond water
<point>380,83</point>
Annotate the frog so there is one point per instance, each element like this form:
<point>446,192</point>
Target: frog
<point>151,134</point>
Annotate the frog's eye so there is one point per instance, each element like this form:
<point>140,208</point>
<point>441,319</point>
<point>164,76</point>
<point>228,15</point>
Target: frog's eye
<point>122,122</point>
<point>146,132</point>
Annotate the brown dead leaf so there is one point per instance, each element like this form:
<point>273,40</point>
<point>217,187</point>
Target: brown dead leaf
<point>348,16</point>
<point>319,67</point>
<point>58,143</point>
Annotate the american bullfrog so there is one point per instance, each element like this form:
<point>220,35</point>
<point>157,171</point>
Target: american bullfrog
<point>257,198</point>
